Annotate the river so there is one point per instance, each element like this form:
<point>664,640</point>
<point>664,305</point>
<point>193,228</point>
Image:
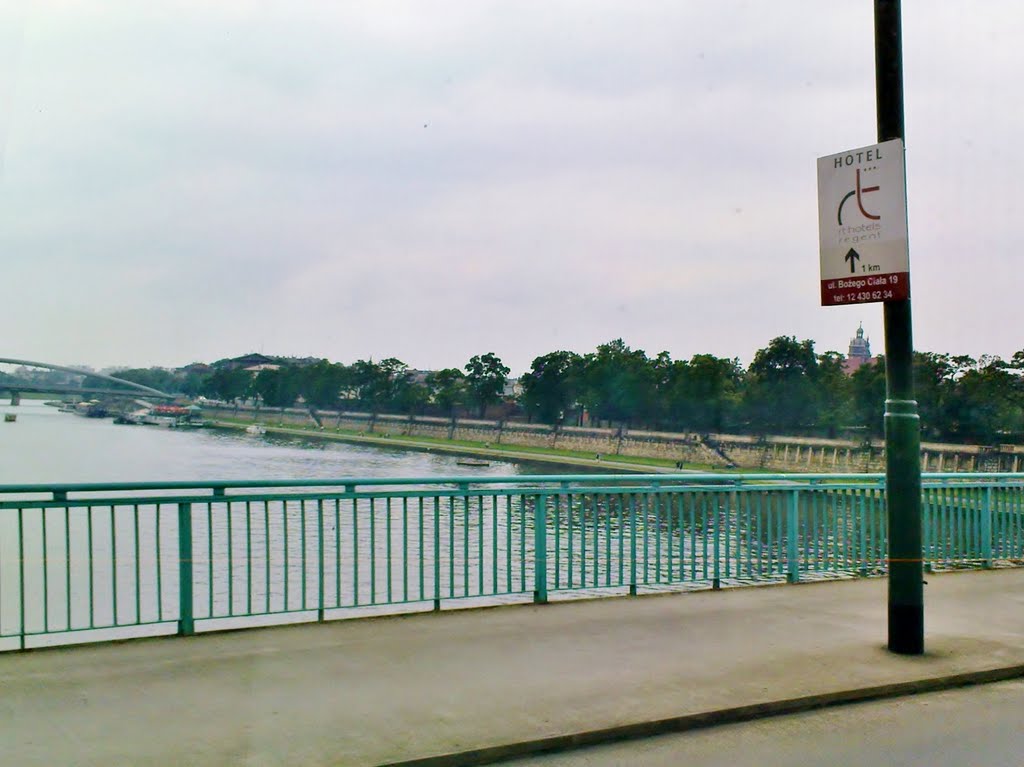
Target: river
<point>70,561</point>
<point>47,446</point>
<point>99,566</point>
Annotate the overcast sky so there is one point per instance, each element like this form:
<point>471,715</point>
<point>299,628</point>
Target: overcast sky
<point>188,180</point>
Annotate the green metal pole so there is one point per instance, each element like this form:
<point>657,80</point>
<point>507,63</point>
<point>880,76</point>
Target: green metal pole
<point>540,550</point>
<point>902,424</point>
<point>186,620</point>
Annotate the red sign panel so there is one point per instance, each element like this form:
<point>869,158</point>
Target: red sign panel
<point>865,288</point>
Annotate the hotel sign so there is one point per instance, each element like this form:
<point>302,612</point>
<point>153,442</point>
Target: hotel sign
<point>862,225</point>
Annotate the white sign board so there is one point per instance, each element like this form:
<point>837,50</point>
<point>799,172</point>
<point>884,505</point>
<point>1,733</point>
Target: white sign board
<point>862,225</point>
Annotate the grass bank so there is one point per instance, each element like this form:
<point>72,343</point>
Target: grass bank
<point>613,463</point>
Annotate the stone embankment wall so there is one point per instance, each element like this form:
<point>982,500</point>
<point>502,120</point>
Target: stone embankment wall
<point>718,450</point>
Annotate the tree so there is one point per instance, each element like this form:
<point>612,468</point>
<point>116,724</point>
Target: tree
<point>447,389</point>
<point>228,384</point>
<point>278,388</point>
<point>619,383</point>
<point>986,402</point>
<point>382,385</point>
<point>867,393</point>
<point>702,394</point>
<point>782,386</point>
<point>933,388</point>
<point>835,394</point>
<point>551,387</point>
<point>485,377</point>
<point>320,384</point>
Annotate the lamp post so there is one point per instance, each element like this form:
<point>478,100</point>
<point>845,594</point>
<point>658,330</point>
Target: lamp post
<point>902,424</point>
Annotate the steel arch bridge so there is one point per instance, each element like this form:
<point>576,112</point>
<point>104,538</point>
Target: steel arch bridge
<point>15,387</point>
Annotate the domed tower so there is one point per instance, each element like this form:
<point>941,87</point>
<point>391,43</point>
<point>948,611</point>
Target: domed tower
<point>860,352</point>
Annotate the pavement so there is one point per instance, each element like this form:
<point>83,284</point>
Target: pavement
<point>474,686</point>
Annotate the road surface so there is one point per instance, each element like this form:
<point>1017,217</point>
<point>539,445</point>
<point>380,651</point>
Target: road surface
<point>981,725</point>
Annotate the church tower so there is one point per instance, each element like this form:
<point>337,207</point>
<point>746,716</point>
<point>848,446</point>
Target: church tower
<point>860,352</point>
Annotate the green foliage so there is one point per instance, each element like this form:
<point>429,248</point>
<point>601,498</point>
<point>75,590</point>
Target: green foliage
<point>782,388</point>
<point>278,388</point>
<point>835,394</point>
<point>702,394</point>
<point>447,389</point>
<point>787,389</point>
<point>382,386</point>
<point>619,384</point>
<point>552,386</point>
<point>986,403</point>
<point>228,385</point>
<point>485,377</point>
<point>934,381</point>
<point>867,393</point>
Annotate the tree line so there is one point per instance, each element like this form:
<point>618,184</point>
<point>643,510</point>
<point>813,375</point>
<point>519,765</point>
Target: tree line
<point>788,388</point>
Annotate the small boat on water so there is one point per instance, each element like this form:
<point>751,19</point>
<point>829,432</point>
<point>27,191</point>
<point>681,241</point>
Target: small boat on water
<point>10,417</point>
<point>472,462</point>
<point>168,416</point>
<point>256,429</point>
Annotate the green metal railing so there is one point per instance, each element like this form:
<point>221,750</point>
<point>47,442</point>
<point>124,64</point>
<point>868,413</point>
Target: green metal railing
<point>98,561</point>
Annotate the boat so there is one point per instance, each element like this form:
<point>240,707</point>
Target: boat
<point>90,409</point>
<point>256,428</point>
<point>472,462</point>
<point>10,417</point>
<point>169,416</point>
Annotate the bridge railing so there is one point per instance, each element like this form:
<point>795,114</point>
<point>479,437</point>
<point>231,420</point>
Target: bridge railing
<point>100,561</point>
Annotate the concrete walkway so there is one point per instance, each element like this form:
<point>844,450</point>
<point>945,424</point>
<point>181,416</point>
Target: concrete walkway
<point>377,691</point>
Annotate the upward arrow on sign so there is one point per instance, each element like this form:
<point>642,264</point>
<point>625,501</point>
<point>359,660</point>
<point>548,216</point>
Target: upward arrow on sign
<point>852,256</point>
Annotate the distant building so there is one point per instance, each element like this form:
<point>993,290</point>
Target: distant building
<point>246,361</point>
<point>513,389</point>
<point>859,354</point>
<point>419,377</point>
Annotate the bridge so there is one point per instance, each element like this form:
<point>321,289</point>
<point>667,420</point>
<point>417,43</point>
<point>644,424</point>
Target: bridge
<point>16,387</point>
<point>88,562</point>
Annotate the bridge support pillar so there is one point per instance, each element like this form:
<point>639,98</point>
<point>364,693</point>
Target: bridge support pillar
<point>15,398</point>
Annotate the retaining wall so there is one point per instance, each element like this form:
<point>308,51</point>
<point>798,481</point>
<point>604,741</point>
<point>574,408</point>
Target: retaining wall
<point>718,450</point>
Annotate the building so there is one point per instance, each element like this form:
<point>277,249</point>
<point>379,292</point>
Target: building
<point>859,353</point>
<point>245,362</point>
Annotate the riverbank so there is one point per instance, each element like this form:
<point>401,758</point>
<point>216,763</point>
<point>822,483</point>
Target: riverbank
<point>716,452</point>
<point>473,449</point>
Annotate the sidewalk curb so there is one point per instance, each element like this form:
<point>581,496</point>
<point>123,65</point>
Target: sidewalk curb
<point>706,719</point>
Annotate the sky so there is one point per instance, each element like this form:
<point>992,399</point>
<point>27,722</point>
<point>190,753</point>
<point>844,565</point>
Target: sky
<point>183,180</point>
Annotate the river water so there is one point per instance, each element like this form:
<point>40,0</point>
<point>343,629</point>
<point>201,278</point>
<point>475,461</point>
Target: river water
<point>104,566</point>
<point>87,566</point>
<point>47,446</point>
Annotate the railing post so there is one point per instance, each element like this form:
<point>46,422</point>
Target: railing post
<point>632,546</point>
<point>792,537</point>
<point>21,578</point>
<point>540,550</point>
<point>716,582</point>
<point>437,553</point>
<point>186,621</point>
<point>320,560</point>
<point>986,529</point>
<point>862,528</point>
